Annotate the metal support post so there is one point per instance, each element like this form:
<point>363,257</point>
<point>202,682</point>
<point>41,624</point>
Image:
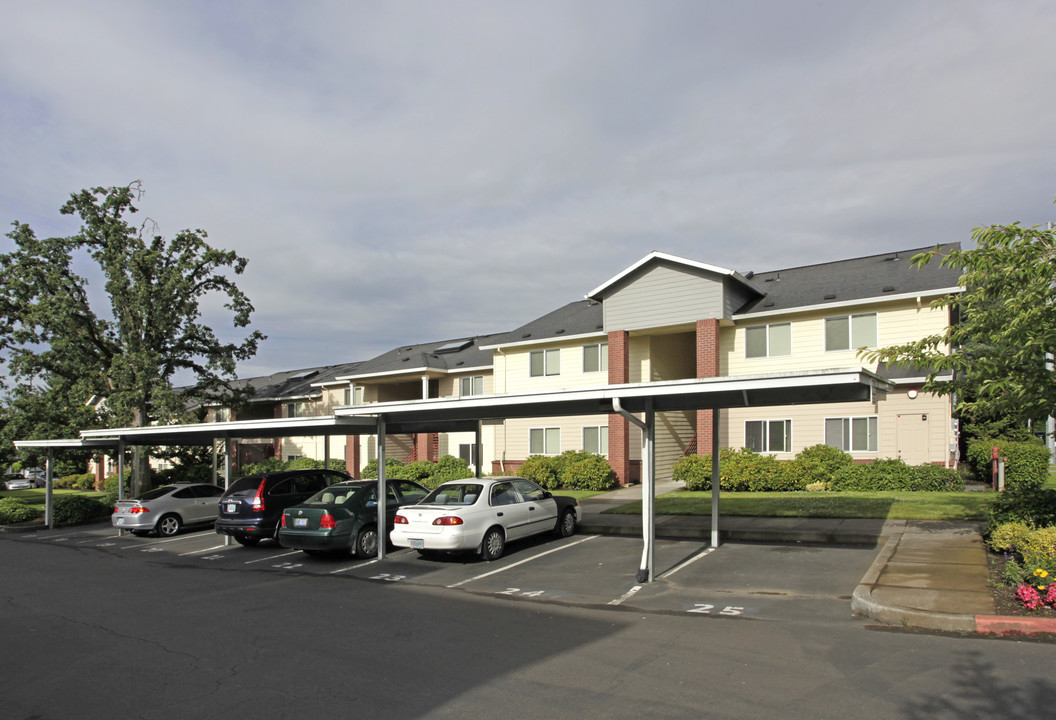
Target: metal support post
<point>382,534</point>
<point>49,503</point>
<point>715,477</point>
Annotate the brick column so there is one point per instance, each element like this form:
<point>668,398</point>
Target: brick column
<point>352,464</point>
<point>707,367</point>
<point>619,428</point>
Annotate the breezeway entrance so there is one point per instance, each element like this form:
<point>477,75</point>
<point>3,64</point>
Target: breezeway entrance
<point>639,403</point>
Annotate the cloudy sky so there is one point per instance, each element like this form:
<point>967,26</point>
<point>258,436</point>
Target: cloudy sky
<point>401,172</point>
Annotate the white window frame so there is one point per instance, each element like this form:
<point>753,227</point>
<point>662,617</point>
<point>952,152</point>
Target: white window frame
<point>851,331</point>
<point>551,362</point>
<point>786,428</point>
<point>602,438</point>
<point>769,329</point>
<point>550,436</point>
<point>602,359</point>
<point>847,433</point>
<point>468,452</point>
<point>471,385</point>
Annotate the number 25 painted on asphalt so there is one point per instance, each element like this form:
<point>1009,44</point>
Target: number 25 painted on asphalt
<point>705,609</point>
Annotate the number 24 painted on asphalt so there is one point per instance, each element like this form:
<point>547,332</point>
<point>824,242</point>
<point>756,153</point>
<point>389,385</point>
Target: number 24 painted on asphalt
<point>705,609</point>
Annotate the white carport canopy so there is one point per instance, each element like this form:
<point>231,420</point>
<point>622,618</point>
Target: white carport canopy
<point>467,414</point>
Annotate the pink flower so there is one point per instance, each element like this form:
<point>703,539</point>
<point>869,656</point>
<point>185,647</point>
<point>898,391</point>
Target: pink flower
<point>1029,596</point>
<point>1050,596</point>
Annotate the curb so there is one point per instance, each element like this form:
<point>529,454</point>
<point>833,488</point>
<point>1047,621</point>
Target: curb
<point>1006,625</point>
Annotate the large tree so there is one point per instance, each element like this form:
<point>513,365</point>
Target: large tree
<point>121,334</point>
<point>1001,346</point>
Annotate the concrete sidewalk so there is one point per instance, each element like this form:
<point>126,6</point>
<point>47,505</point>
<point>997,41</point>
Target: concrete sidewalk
<point>928,574</point>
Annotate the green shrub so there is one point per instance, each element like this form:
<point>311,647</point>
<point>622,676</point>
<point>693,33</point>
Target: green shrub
<point>182,473</point>
<point>67,482</point>
<point>1034,506</point>
<point>694,471</point>
<point>266,465</point>
<point>936,478</point>
<point>304,463</point>
<point>562,462</point>
<point>392,468</point>
<point>1027,463</point>
<point>448,468</point>
<point>894,475</point>
<point>13,510</point>
<point>817,463</point>
<point>417,471</point>
<point>592,472</point>
<point>744,469</point>
<point>78,509</point>
<point>540,469</point>
<point>1008,536</point>
<point>110,483</point>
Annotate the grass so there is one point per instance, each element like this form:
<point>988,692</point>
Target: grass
<point>885,505</point>
<point>35,498</point>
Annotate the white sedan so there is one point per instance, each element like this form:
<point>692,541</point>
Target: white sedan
<point>482,515</point>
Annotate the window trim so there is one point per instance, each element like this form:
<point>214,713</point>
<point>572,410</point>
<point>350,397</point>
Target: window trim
<point>472,385</point>
<point>545,431</point>
<point>603,445</point>
<point>850,331</point>
<point>545,354</point>
<point>769,329</point>
<point>766,435</point>
<point>603,357</point>
<point>848,434</point>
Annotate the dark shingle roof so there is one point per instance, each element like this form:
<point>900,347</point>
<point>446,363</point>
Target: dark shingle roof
<point>582,317</point>
<point>875,276</point>
<point>443,355</point>
<point>293,383</point>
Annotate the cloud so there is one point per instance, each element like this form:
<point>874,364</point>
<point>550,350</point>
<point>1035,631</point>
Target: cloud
<point>400,173</point>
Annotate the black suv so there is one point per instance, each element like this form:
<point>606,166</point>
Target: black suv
<point>250,509</point>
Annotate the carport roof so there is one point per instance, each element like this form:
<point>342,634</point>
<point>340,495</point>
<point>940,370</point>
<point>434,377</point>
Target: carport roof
<point>462,414</point>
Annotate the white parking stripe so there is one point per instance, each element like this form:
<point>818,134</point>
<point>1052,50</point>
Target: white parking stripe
<point>160,542</point>
<point>354,567</point>
<point>270,557</point>
<point>676,568</point>
<point>195,552</point>
<point>626,596</point>
<point>522,562</point>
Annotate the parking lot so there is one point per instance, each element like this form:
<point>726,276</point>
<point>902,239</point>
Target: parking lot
<point>736,580</point>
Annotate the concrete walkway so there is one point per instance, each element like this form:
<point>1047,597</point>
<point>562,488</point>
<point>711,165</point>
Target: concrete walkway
<point>928,574</point>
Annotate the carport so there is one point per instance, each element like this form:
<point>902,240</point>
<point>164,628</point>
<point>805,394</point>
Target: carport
<point>468,414</point>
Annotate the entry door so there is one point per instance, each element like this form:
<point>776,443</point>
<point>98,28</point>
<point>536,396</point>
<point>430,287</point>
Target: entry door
<point>914,439</point>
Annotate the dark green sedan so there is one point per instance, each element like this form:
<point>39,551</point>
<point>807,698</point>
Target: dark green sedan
<point>344,517</point>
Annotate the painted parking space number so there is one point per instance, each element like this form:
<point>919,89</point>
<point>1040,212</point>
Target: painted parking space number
<point>706,609</point>
<point>388,578</point>
<point>522,593</point>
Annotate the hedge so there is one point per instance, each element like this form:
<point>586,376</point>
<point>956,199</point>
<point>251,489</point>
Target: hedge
<point>572,469</point>
<point>1026,463</point>
<point>13,510</point>
<point>78,509</point>
<point>894,474</point>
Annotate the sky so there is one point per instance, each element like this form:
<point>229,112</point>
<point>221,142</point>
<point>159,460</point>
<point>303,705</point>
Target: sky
<point>405,172</point>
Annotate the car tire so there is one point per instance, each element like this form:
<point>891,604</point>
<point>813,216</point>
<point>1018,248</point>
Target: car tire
<point>566,524</point>
<point>168,525</point>
<point>493,544</point>
<point>366,545</point>
<point>246,541</point>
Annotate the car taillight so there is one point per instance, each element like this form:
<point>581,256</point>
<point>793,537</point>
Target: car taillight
<point>326,522</point>
<point>400,520</point>
<point>258,499</point>
<point>282,521</point>
<point>138,510</point>
<point>448,520</point>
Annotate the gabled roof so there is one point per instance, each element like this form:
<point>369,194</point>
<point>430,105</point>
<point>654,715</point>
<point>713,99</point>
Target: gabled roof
<point>661,257</point>
<point>576,319</point>
<point>442,356</point>
<point>291,384</point>
<point>875,276</point>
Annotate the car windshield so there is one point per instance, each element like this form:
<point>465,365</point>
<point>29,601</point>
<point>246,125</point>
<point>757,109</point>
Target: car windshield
<point>454,494</point>
<point>157,493</point>
<point>333,495</point>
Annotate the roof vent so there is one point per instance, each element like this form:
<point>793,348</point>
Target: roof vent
<point>892,258</point>
<point>599,326</point>
<point>406,359</point>
<point>768,303</point>
<point>526,335</point>
<point>559,331</point>
<point>749,275</point>
<point>460,362</point>
<point>889,288</point>
<point>830,296</point>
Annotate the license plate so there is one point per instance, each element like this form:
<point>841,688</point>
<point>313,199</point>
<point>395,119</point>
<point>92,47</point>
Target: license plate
<point>300,522</point>
<point>417,543</point>
<point>232,508</point>
<point>120,521</point>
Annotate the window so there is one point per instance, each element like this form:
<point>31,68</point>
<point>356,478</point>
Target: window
<point>768,340</point>
<point>347,398</point>
<point>222,414</point>
<point>357,395</point>
<point>768,436</point>
<point>468,452</point>
<point>596,439</point>
<point>545,362</point>
<point>471,386</point>
<point>294,409</point>
<point>544,441</point>
<point>851,434</point>
<point>850,332</point>
<point>596,358</point>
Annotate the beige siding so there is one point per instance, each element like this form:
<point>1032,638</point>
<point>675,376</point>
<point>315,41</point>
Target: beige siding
<point>674,432</point>
<point>664,295</point>
<point>514,376</point>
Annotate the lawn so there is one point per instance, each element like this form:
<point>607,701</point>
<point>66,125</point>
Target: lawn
<point>891,505</point>
<point>35,498</point>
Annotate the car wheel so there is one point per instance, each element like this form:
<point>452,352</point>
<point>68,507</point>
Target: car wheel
<point>566,525</point>
<point>168,525</point>
<point>246,541</point>
<point>493,544</point>
<point>366,543</point>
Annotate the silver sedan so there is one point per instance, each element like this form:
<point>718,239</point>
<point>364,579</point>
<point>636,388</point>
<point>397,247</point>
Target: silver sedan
<point>166,509</point>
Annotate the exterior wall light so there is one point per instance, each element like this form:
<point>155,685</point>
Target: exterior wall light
<point>912,394</point>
